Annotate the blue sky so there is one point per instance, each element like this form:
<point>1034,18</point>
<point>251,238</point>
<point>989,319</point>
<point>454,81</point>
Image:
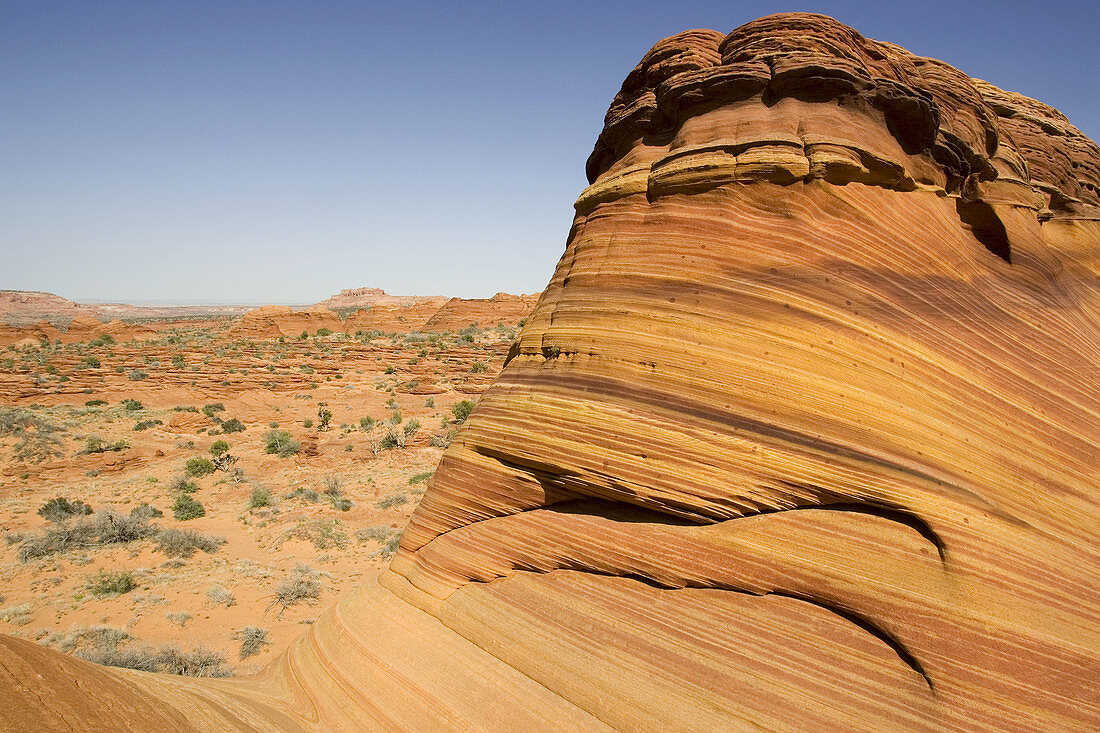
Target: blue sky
<point>280,151</point>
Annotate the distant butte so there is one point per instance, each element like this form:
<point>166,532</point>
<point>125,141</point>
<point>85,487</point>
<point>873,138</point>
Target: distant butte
<point>801,436</point>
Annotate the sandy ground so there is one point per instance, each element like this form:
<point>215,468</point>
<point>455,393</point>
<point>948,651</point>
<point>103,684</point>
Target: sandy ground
<point>189,384</point>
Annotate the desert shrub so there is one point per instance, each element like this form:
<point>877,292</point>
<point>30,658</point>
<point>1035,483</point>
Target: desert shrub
<point>462,410</point>
<point>184,507</point>
<point>116,648</point>
<point>233,425</point>
<point>219,447</point>
<point>280,442</point>
<point>395,417</point>
<point>305,495</point>
<point>143,512</point>
<point>387,538</point>
<point>181,485</point>
<point>184,542</point>
<point>420,478</point>
<point>253,639</point>
<point>146,424</point>
<point>392,438</point>
<point>442,441</point>
<point>430,402</point>
<point>333,484</point>
<point>95,403</point>
<point>178,361</point>
<point>137,375</point>
<point>60,508</point>
<point>184,408</point>
<point>196,467</point>
<point>391,501</point>
<point>112,528</point>
<point>479,367</point>
<point>324,331</point>
<point>366,423</point>
<point>89,362</point>
<point>301,585</point>
<point>16,615</point>
<point>260,497</point>
<point>131,405</point>
<point>110,583</point>
<point>104,528</point>
<point>213,408</point>
<point>324,416</point>
<point>179,618</point>
<point>103,340</point>
<point>411,427</point>
<point>341,503</point>
<point>38,439</point>
<point>323,534</point>
<point>96,444</point>
<point>307,423</point>
<point>217,595</point>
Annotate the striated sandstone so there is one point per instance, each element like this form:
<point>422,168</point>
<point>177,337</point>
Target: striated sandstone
<point>801,436</point>
<point>392,318</point>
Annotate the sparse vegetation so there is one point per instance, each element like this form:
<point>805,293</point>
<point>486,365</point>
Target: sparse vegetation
<point>110,583</point>
<point>260,497</point>
<point>300,585</point>
<point>253,639</point>
<point>96,444</point>
<point>392,501</point>
<point>462,410</point>
<point>217,595</point>
<point>116,648</point>
<point>280,442</point>
<point>60,508</point>
<point>233,425</point>
<point>184,508</point>
<point>196,467</point>
<point>184,542</point>
<point>420,478</point>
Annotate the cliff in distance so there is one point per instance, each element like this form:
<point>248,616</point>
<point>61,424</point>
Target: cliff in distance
<point>802,435</point>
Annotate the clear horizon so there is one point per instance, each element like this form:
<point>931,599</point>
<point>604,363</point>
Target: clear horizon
<point>279,152</point>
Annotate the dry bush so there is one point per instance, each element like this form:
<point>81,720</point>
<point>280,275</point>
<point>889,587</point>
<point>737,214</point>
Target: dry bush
<point>253,639</point>
<point>16,615</point>
<point>184,542</point>
<point>301,585</point>
<point>116,648</point>
<point>324,534</point>
<point>110,583</point>
<point>387,538</point>
<point>217,595</point>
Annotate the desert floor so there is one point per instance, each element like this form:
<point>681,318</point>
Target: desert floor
<point>114,425</point>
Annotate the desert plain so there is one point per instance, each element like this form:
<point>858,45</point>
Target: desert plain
<point>186,492</point>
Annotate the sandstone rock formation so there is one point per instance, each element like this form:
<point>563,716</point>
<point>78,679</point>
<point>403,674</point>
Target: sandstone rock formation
<point>803,435</point>
<point>271,321</point>
<point>502,308</point>
<point>25,306</point>
<point>392,318</point>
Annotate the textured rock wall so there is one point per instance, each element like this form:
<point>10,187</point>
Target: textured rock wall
<point>801,436</point>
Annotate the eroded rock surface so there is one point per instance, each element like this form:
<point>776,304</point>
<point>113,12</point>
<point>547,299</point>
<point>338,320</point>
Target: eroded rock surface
<point>801,436</point>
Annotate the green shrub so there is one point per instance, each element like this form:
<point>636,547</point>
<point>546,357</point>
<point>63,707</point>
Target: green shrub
<point>110,583</point>
<point>146,424</point>
<point>196,467</point>
<point>96,444</point>
<point>479,367</point>
<point>184,508</point>
<point>411,427</point>
<point>366,423</point>
<point>462,410</point>
<point>420,478</point>
<point>95,403</point>
<point>307,423</point>
<point>212,408</point>
<point>137,375</point>
<point>260,497</point>
<point>131,405</point>
<point>233,425</point>
<point>60,508</point>
<point>280,442</point>
<point>89,362</point>
<point>324,332</point>
<point>218,447</point>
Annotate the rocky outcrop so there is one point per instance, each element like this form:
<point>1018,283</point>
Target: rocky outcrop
<point>502,308</point>
<point>272,321</point>
<point>391,318</point>
<point>20,307</point>
<point>801,436</point>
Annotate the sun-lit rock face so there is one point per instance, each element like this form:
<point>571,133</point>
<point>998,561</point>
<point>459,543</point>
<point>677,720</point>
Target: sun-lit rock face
<point>803,434</point>
<point>804,431</point>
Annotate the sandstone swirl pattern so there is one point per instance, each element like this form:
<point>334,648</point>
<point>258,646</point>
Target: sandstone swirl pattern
<point>803,434</point>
